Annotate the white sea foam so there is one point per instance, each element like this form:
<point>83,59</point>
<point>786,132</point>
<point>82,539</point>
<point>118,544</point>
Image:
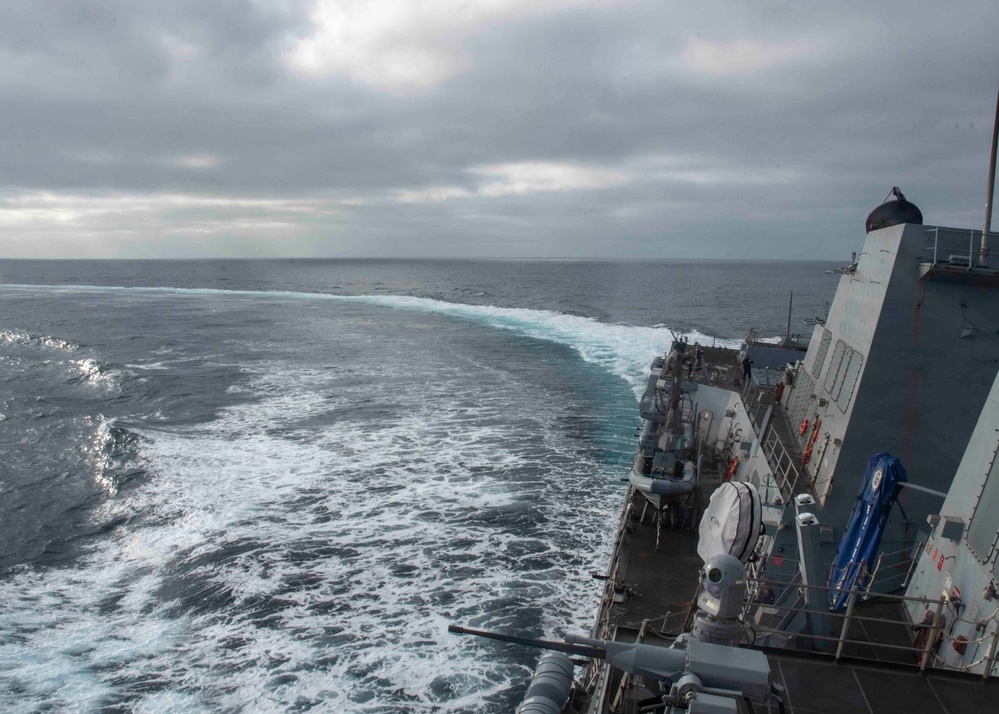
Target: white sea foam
<point>86,370</point>
<point>97,451</point>
<point>151,366</point>
<point>338,547</point>
<point>92,372</point>
<point>624,350</point>
<point>339,552</point>
<point>21,338</point>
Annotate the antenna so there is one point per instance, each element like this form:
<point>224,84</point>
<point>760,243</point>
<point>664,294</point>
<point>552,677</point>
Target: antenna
<point>787,332</point>
<point>983,254</point>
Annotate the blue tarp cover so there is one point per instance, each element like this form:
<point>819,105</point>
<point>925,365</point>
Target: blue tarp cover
<point>862,537</point>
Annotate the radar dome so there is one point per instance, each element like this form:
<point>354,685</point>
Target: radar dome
<point>892,213</point>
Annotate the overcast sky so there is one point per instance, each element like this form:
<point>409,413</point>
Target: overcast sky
<point>486,128</point>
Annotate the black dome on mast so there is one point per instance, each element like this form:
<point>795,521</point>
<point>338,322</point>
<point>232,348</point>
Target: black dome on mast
<point>894,213</point>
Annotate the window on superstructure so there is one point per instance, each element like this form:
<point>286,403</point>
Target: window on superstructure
<point>835,366</point>
<point>850,375</point>
<point>982,531</point>
<point>837,386</point>
<point>820,354</point>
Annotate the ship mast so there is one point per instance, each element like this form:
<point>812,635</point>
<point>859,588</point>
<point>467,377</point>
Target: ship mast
<point>983,254</point>
<point>787,331</point>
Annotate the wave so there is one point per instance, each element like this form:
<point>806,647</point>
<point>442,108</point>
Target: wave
<point>22,338</point>
<point>85,370</point>
<point>287,553</point>
<point>90,371</point>
<point>622,349</point>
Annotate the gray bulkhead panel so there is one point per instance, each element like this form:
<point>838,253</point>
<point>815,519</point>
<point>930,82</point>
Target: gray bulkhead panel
<point>896,375</point>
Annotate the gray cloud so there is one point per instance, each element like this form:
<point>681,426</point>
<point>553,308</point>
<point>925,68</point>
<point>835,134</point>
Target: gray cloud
<point>503,128</point>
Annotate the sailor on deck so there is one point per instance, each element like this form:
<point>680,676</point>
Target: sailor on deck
<point>696,360</point>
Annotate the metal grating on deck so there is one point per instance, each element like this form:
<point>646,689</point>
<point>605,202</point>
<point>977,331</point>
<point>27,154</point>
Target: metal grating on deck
<point>822,687</point>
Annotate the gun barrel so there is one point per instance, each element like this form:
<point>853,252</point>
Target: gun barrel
<point>593,649</point>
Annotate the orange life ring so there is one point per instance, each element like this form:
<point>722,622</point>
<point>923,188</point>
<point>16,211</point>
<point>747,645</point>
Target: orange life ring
<point>806,456</point>
<point>733,466</point>
<point>803,428</point>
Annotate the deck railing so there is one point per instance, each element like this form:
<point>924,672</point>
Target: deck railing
<point>922,652</point>
<point>602,627</point>
<point>794,341</point>
<point>944,251</point>
<point>756,401</point>
<point>893,569</point>
<point>781,462</point>
<point>891,572</point>
<point>759,403</point>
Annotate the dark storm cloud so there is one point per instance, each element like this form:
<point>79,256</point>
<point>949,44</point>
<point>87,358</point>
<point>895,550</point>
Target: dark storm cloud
<point>595,129</point>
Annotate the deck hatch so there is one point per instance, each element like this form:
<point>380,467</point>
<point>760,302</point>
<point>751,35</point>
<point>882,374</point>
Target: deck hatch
<point>982,532</point>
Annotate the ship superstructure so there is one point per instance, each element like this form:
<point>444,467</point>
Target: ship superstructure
<point>802,428</point>
<point>901,364</point>
<point>960,560</point>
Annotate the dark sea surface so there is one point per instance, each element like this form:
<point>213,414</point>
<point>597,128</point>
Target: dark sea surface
<point>271,485</point>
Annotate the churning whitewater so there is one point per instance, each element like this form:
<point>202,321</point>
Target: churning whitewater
<point>270,498</point>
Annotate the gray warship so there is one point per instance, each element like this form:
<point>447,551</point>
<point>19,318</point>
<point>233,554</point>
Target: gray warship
<point>813,525</point>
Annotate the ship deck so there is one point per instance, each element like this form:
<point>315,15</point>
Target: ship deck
<point>654,579</point>
<point>873,676</point>
<point>815,686</point>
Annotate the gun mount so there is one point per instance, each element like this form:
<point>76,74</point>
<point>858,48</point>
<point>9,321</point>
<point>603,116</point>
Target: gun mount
<point>690,672</point>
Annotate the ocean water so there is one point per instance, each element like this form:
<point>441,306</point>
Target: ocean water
<point>249,486</point>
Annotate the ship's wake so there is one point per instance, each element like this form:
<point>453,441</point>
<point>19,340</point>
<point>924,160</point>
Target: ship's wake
<point>309,545</point>
<point>623,350</point>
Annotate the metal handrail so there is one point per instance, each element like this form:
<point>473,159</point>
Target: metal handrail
<point>926,652</point>
<point>833,589</point>
<point>778,457</point>
<point>601,628</point>
<point>973,236</point>
<point>893,558</point>
<point>755,402</point>
<point>780,463</point>
<point>842,638</point>
<point>839,638</point>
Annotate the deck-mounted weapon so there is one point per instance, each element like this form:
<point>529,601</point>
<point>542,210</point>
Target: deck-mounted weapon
<point>691,675</point>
